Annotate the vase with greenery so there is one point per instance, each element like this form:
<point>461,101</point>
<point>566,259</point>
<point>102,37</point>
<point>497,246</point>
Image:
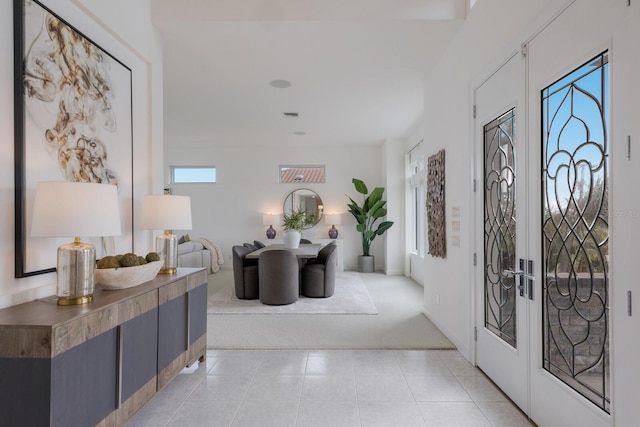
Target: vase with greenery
<point>367,216</point>
<point>293,223</point>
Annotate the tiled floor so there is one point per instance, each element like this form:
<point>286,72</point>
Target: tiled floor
<point>330,388</point>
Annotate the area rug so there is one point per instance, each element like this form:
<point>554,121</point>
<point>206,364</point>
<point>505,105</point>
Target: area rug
<point>350,297</point>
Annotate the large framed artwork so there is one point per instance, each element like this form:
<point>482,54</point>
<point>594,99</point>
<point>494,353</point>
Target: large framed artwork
<point>436,235</point>
<point>73,122</point>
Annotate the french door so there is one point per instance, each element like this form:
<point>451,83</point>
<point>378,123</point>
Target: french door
<point>542,146</point>
<point>502,337</point>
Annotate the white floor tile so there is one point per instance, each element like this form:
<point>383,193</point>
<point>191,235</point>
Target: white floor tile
<point>221,387</point>
<point>283,364</point>
<point>481,389</point>
<point>437,389</point>
<point>427,366</point>
<point>241,366</point>
<point>329,387</point>
<point>459,366</point>
<point>275,388</point>
<point>213,414</point>
<point>390,414</point>
<point>336,388</point>
<point>266,414</point>
<point>377,366</point>
<point>453,414</point>
<point>322,414</point>
<point>154,414</point>
<point>504,414</point>
<point>329,365</point>
<point>381,388</point>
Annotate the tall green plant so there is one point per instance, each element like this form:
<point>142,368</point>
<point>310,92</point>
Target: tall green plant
<point>372,209</point>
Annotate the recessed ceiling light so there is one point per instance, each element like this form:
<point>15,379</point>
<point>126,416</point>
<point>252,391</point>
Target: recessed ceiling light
<point>280,84</point>
<point>299,132</point>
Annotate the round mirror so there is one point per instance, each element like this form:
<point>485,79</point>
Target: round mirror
<point>306,200</point>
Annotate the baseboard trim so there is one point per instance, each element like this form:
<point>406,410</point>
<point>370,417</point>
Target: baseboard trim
<point>462,348</point>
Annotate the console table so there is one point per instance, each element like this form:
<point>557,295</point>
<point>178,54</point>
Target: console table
<point>98,363</point>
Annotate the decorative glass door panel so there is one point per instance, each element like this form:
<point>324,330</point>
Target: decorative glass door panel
<point>575,230</point>
<point>502,340</point>
<point>500,228</point>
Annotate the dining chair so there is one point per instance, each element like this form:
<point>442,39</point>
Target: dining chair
<point>245,273</point>
<point>319,275</point>
<point>278,273</point>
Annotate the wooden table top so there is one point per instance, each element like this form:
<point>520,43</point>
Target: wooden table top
<point>303,251</point>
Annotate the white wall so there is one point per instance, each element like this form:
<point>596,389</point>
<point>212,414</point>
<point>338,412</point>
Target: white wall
<point>448,125</point>
<point>230,211</point>
<point>394,173</point>
<point>414,262</point>
<point>131,40</point>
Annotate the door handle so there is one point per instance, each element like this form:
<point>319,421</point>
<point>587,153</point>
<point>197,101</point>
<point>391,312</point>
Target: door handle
<point>530,279</point>
<point>521,275</point>
<point>517,273</point>
<point>512,273</point>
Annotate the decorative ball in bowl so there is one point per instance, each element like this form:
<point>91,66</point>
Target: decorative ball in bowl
<point>123,277</point>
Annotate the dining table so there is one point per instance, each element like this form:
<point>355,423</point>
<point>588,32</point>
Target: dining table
<point>305,250</point>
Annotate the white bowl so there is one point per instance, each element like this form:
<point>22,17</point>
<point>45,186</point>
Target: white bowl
<point>127,277</point>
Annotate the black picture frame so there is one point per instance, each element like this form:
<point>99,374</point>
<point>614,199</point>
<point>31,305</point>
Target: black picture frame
<point>73,122</point>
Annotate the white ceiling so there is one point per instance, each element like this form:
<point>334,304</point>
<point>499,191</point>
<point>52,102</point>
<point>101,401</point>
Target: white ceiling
<point>356,68</point>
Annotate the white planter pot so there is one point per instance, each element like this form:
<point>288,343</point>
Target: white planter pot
<point>292,239</point>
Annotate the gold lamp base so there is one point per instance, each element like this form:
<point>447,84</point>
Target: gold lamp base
<point>75,301</point>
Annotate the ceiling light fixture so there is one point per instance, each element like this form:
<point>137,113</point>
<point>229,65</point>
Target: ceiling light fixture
<point>280,84</point>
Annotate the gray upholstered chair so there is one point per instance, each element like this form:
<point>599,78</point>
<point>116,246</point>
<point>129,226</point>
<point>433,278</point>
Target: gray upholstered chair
<point>245,273</point>
<point>305,241</point>
<point>315,260</point>
<point>258,244</point>
<point>319,275</point>
<point>279,277</point>
<point>250,246</point>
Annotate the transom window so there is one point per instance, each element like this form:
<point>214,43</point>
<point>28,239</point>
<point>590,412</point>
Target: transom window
<point>193,174</point>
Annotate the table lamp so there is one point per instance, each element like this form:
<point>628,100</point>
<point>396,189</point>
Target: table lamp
<point>166,212</point>
<point>333,219</point>
<point>74,209</point>
<point>269,220</point>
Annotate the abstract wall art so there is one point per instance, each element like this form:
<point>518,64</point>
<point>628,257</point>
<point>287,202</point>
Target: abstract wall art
<point>436,205</point>
<point>73,122</point>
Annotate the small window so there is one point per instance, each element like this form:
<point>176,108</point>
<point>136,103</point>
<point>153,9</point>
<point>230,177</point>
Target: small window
<point>193,174</point>
<point>299,174</point>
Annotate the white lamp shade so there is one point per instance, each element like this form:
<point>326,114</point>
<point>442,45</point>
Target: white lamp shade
<point>332,219</point>
<point>75,209</point>
<point>270,219</point>
<point>166,212</point>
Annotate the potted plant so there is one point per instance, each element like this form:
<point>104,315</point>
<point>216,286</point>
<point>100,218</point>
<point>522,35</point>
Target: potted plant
<point>293,223</point>
<point>371,210</point>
